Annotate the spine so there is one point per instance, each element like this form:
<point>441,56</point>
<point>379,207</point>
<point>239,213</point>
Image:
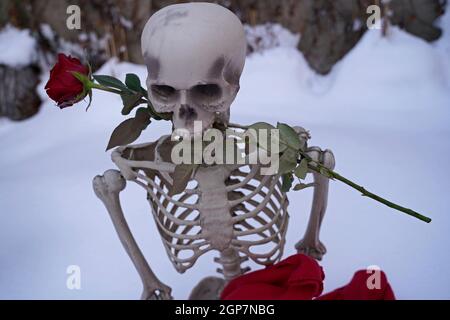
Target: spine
<point>231,264</point>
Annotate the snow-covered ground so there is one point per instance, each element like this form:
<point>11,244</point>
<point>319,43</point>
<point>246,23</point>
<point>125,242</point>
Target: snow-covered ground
<point>384,111</point>
<point>17,47</point>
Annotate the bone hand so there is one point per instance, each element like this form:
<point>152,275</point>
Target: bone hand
<point>303,134</point>
<point>310,244</point>
<point>158,291</point>
<point>107,188</point>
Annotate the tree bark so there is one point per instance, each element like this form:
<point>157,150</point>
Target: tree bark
<point>18,97</point>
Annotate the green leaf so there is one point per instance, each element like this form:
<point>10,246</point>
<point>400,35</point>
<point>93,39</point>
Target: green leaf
<point>289,137</point>
<point>131,101</point>
<point>302,170</point>
<point>303,186</point>
<point>288,180</point>
<point>288,161</point>
<point>271,138</point>
<point>129,130</point>
<point>181,178</point>
<point>262,125</point>
<point>158,116</point>
<point>111,82</point>
<point>133,82</point>
<point>142,113</point>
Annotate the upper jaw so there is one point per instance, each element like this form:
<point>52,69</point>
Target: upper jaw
<point>195,128</point>
<point>193,131</point>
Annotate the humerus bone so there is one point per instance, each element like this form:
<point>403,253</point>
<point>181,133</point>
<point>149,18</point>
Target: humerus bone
<point>107,189</point>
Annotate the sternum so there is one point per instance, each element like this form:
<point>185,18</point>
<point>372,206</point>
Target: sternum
<point>215,217</point>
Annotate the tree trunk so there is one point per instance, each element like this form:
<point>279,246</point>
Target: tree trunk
<point>18,97</point>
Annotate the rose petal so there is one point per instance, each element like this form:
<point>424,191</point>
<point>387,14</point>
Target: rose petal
<point>63,87</point>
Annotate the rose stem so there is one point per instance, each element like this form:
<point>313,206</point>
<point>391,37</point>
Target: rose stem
<point>319,168</point>
<point>103,88</point>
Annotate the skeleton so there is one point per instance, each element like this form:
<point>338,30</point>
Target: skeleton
<point>195,54</point>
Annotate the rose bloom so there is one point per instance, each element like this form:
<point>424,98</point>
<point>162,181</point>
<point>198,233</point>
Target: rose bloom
<point>63,87</point>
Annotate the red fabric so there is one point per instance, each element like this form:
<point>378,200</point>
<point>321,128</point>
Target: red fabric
<point>357,289</point>
<point>63,87</point>
<point>301,278</point>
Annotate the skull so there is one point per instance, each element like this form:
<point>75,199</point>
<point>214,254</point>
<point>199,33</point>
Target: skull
<point>195,54</point>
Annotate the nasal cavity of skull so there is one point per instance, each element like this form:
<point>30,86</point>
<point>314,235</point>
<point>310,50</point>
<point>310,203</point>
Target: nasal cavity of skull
<point>187,112</point>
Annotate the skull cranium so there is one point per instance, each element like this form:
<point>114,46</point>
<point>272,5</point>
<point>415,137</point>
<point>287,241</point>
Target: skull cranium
<point>195,54</point>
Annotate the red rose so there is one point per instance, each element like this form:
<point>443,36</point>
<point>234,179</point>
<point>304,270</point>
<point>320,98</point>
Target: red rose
<point>63,87</point>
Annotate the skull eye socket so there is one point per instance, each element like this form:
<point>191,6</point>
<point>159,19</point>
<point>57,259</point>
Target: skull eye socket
<point>163,92</point>
<point>208,92</point>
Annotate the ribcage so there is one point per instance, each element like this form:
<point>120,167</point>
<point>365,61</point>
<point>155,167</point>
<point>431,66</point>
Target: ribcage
<point>223,207</point>
<point>257,212</point>
<point>177,220</point>
<point>260,216</point>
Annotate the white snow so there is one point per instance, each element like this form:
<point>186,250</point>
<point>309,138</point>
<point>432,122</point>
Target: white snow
<point>384,111</point>
<point>270,35</point>
<point>17,47</point>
